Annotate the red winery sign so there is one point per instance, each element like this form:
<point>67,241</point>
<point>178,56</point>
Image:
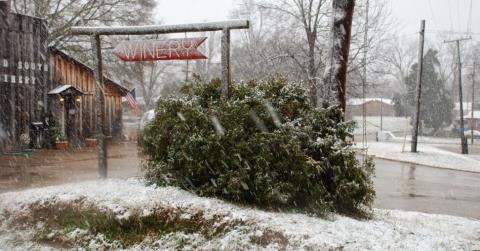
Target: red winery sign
<point>150,50</point>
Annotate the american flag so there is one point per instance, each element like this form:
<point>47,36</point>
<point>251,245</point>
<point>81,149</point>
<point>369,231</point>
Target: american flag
<point>132,101</point>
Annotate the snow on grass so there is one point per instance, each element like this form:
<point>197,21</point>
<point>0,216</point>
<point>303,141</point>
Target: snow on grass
<point>427,155</point>
<point>257,230</point>
<point>393,124</point>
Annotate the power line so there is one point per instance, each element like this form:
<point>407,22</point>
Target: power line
<point>432,13</point>
<point>450,14</point>
<point>450,32</point>
<point>469,22</point>
<point>458,13</point>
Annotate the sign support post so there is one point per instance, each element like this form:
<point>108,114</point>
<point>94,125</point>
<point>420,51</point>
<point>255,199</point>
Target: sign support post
<point>226,70</point>
<point>99,106</point>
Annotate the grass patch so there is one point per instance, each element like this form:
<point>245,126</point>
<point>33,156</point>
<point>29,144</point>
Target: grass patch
<point>60,219</point>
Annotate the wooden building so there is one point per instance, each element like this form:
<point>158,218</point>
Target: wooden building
<point>24,76</point>
<point>42,88</point>
<point>73,99</point>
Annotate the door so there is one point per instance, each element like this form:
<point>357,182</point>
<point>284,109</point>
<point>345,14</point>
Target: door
<point>71,127</point>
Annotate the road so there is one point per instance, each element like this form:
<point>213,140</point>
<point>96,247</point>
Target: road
<point>52,167</point>
<point>398,185</point>
<point>426,189</point>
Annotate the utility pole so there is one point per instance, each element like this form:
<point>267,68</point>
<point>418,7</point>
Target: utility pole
<point>473,100</point>
<point>381,114</point>
<point>364,80</point>
<point>418,95</point>
<point>460,94</point>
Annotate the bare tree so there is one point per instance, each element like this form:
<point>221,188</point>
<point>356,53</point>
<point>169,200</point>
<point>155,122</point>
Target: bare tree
<point>207,69</point>
<point>309,14</point>
<point>398,59</point>
<point>147,77</point>
<point>278,42</point>
<point>267,46</point>
<point>63,14</point>
<point>379,28</point>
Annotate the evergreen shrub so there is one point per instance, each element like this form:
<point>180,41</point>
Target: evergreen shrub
<point>263,146</point>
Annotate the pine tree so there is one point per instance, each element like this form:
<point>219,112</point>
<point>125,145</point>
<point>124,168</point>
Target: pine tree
<point>436,110</point>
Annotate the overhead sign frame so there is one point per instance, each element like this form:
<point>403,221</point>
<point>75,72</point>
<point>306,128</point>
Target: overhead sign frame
<point>96,32</point>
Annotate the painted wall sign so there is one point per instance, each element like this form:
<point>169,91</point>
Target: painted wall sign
<point>150,50</point>
<point>27,76</point>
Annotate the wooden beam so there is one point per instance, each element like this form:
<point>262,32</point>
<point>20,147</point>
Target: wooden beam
<point>160,29</point>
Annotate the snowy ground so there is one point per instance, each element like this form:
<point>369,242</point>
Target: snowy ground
<point>395,125</point>
<point>428,155</point>
<point>250,229</point>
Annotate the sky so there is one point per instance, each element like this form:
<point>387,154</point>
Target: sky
<point>440,15</point>
<point>193,11</point>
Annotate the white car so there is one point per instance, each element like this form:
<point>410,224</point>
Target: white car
<point>476,134</point>
<point>146,118</point>
<point>385,136</point>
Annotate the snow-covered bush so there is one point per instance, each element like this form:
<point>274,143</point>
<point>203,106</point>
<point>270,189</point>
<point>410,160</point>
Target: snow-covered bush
<point>263,146</point>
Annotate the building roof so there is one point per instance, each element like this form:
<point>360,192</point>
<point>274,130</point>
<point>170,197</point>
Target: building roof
<point>468,115</point>
<point>466,106</point>
<point>64,89</point>
<point>123,90</point>
<point>361,101</point>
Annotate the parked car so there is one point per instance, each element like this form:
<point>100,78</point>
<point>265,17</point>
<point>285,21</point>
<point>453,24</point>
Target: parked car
<point>468,134</point>
<point>384,136</point>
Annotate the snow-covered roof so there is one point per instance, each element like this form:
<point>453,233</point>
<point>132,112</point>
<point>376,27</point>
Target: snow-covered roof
<point>468,115</point>
<point>466,106</point>
<point>360,101</point>
<point>123,90</point>
<point>63,88</point>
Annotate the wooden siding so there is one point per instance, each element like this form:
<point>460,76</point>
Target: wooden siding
<point>29,70</point>
<point>68,71</point>
<point>23,76</point>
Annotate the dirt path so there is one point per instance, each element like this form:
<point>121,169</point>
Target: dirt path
<point>50,167</point>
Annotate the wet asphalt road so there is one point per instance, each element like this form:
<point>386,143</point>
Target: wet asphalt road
<point>426,189</point>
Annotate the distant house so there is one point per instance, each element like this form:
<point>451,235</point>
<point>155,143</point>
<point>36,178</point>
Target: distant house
<point>374,107</point>
<point>467,108</point>
<point>467,120</point>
